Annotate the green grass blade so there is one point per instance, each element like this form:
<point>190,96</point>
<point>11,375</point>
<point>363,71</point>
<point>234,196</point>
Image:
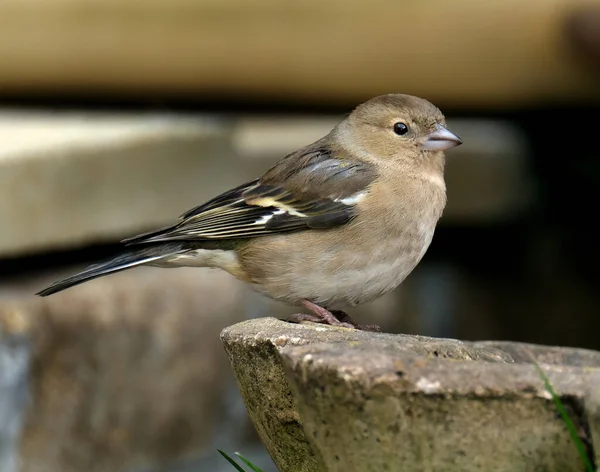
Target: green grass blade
<point>248,463</point>
<point>231,461</point>
<point>567,420</point>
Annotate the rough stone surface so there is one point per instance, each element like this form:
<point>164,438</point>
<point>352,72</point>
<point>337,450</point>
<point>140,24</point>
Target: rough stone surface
<point>359,401</point>
<point>592,412</point>
<point>271,406</point>
<point>123,373</point>
<point>68,179</point>
<point>14,361</point>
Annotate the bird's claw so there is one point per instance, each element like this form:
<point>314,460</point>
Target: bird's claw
<point>300,317</point>
<point>332,318</point>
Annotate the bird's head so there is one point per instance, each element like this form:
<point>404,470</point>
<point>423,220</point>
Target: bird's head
<point>396,126</point>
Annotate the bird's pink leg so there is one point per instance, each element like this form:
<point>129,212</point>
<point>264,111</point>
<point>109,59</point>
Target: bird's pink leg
<point>333,317</point>
<point>320,315</point>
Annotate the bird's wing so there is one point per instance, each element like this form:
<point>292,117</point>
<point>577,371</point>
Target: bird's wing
<point>308,189</point>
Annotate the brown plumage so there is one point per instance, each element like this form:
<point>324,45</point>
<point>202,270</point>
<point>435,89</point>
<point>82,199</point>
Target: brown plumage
<point>335,224</point>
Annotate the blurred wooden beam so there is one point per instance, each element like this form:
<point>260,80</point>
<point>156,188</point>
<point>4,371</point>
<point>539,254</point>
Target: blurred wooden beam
<point>467,53</point>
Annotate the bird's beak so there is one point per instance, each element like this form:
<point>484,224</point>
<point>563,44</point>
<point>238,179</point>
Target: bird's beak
<point>441,139</point>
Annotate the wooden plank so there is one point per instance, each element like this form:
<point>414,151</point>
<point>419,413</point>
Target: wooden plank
<point>468,53</point>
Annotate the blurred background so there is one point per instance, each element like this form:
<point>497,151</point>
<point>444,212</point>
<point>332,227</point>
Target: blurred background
<point>116,116</point>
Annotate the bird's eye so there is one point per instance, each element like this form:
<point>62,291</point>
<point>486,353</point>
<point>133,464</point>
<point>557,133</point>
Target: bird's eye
<point>400,129</point>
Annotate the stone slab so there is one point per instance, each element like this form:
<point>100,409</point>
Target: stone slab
<point>124,373</point>
<point>69,179</point>
<point>332,399</point>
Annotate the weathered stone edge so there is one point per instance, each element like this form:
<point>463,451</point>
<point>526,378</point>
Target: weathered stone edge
<point>579,387</point>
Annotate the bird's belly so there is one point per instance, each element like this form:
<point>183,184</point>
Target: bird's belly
<point>342,273</point>
<point>355,284</point>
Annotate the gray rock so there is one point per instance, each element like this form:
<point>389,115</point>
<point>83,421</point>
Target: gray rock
<point>68,179</point>
<point>124,373</point>
<point>333,399</point>
<point>15,352</point>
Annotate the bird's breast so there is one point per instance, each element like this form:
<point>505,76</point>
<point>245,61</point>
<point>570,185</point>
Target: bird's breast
<point>344,266</point>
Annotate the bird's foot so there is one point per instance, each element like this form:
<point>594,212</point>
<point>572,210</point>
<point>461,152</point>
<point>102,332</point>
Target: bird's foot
<point>318,315</point>
<point>345,318</point>
<point>299,317</point>
<point>333,318</point>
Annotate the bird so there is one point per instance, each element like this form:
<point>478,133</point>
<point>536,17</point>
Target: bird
<point>332,225</point>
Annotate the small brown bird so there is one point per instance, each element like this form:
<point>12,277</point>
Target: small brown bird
<point>335,224</point>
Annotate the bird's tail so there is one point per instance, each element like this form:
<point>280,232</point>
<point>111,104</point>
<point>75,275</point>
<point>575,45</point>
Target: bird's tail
<point>131,258</point>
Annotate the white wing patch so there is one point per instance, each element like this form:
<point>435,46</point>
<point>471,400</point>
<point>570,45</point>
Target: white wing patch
<point>352,199</point>
<point>268,202</point>
<point>266,218</point>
